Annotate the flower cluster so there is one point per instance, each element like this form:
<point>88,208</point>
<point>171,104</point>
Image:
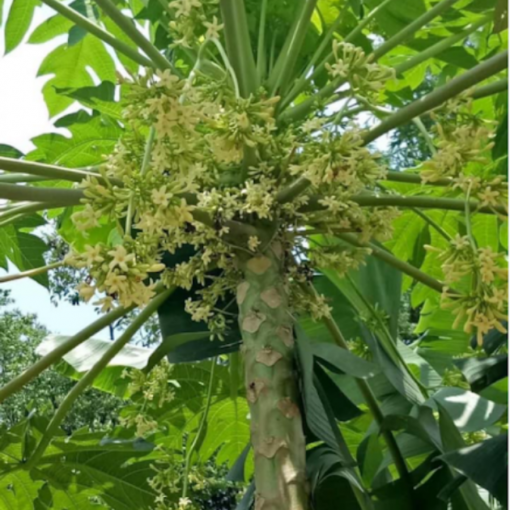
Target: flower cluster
<point>149,391</point>
<point>351,64</point>
<point>464,143</point>
<point>209,178</point>
<point>191,21</point>
<point>484,274</point>
<point>122,275</point>
<point>457,148</point>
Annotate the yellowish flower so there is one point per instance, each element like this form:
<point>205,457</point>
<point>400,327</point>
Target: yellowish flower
<point>213,28</point>
<point>161,196</point>
<point>86,291</point>
<point>120,258</point>
<point>105,303</point>
<point>253,243</point>
<point>115,282</point>
<point>93,254</point>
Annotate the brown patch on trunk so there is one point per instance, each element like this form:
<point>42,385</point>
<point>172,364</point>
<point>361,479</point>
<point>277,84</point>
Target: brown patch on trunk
<point>271,297</point>
<point>286,336</point>
<point>242,290</point>
<point>252,322</point>
<point>259,265</point>
<point>270,446</point>
<point>268,356</point>
<point>288,408</point>
<point>256,388</point>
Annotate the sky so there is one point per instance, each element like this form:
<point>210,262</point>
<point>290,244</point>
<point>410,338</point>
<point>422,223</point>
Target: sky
<point>23,115</point>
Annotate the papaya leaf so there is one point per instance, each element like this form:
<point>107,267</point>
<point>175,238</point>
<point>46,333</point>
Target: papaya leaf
<point>18,22</point>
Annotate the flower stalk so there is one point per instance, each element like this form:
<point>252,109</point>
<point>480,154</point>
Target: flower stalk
<point>128,27</point>
<point>101,34</point>
<point>30,273</point>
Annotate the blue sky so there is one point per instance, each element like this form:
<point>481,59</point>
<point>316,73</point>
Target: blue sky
<point>24,115</point>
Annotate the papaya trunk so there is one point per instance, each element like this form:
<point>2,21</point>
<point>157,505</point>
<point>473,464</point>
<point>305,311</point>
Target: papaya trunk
<point>276,427</point>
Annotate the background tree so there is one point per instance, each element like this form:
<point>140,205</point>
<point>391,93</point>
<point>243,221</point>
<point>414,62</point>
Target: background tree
<point>20,334</point>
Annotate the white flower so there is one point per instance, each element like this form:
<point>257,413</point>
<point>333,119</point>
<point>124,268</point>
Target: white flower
<point>86,291</point>
<point>253,243</point>
<point>105,303</point>
<point>184,503</point>
<point>115,282</point>
<point>213,29</point>
<point>93,254</point>
<point>121,258</point>
<point>161,196</point>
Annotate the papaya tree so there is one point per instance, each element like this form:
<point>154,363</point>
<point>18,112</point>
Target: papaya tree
<point>228,171</point>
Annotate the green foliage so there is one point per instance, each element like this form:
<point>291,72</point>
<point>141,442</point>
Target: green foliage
<point>20,334</point>
<point>18,22</point>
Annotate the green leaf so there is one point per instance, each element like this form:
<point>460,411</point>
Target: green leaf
<point>24,250</point>
<point>116,473</point>
<point>406,231</point>
<point>8,151</point>
<point>247,500</point>
<point>99,98</point>
<point>395,17</point>
<point>393,496</point>
<point>199,350</point>
<point>492,340</point>
<point>369,457</point>
<point>501,16</point>
<point>481,373</point>
<point>78,239</point>
<point>330,480</point>
<point>377,283</point>
<point>503,235</point>
<point>343,409</point>
<point>452,440</point>
<point>485,230</point>
<point>320,422</point>
<point>228,431</point>
<point>69,65</point>
<point>171,343</point>
<point>50,28</point>
<point>74,470</point>
<point>342,360</point>
<point>397,373</point>
<point>500,148</point>
<point>18,22</point>
<point>88,143</point>
<point>76,34</point>
<point>485,463</point>
<point>415,76</point>
<point>469,411</point>
<point>497,392</point>
<point>18,490</point>
<point>236,473</point>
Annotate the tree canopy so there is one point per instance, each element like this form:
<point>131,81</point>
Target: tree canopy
<point>273,180</point>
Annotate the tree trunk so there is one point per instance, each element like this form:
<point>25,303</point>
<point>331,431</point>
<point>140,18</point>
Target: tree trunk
<point>276,427</point>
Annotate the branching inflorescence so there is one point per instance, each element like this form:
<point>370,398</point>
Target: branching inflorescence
<point>202,131</point>
<point>195,183</point>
